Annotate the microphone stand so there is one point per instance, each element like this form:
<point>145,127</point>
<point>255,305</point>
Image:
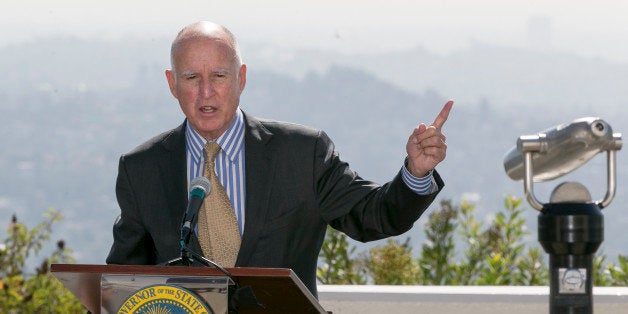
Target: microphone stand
<point>189,257</point>
<point>238,296</point>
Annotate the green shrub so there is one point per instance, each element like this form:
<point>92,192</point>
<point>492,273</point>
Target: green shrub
<point>39,292</point>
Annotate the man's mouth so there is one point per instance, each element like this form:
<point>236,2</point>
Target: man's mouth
<point>208,109</point>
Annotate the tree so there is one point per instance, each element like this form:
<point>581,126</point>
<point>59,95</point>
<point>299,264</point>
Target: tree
<point>492,255</point>
<point>468,272</point>
<point>437,255</point>
<point>506,263</point>
<point>392,264</point>
<point>619,272</point>
<point>337,267</point>
<point>459,250</point>
<point>39,292</point>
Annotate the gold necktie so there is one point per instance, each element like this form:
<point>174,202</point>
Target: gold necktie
<point>218,231</point>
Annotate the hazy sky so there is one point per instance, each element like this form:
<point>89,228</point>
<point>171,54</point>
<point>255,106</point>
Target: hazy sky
<point>591,28</point>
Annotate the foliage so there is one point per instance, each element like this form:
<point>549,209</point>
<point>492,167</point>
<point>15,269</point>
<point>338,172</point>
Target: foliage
<point>391,256</point>
<point>493,255</point>
<point>601,277</point>
<point>619,273</point>
<point>39,292</point>
<point>337,265</point>
<point>611,274</point>
<point>506,262</point>
<point>438,250</point>
<point>467,272</point>
<point>458,250</point>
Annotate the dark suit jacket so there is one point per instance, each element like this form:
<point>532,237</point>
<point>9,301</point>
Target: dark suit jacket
<point>295,186</point>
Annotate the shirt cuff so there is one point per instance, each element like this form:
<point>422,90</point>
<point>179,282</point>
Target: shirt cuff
<point>422,186</point>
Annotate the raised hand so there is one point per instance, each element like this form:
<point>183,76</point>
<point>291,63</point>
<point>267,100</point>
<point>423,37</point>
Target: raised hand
<point>426,146</point>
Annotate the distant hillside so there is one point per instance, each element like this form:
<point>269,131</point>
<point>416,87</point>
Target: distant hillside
<point>505,76</point>
<point>70,108</point>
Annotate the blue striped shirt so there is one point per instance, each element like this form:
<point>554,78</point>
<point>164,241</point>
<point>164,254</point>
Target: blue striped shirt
<point>230,165</point>
<point>422,186</point>
<point>229,162</point>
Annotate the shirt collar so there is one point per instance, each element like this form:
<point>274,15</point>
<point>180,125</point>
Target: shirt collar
<point>231,142</point>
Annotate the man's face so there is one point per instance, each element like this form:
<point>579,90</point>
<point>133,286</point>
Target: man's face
<point>207,80</point>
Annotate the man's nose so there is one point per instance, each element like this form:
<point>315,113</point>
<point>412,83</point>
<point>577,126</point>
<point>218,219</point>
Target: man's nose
<point>206,89</point>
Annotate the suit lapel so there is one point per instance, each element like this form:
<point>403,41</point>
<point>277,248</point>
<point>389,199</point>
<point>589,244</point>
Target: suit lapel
<point>173,172</point>
<point>259,165</point>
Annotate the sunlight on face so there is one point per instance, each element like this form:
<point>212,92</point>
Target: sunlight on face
<point>207,80</point>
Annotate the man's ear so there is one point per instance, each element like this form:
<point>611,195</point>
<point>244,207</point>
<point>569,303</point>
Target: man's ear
<point>171,83</point>
<point>242,77</point>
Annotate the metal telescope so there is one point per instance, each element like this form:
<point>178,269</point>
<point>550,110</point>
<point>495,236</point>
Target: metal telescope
<point>559,150</point>
<point>570,225</point>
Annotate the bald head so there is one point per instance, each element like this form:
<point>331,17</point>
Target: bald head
<point>205,30</point>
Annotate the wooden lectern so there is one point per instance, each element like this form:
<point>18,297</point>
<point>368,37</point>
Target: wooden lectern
<point>276,290</point>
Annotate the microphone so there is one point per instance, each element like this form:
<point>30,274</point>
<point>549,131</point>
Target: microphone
<point>199,187</point>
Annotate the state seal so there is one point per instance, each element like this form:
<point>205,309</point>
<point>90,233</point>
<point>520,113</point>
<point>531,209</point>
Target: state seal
<point>164,299</point>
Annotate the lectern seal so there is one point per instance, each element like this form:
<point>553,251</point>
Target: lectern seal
<point>164,299</point>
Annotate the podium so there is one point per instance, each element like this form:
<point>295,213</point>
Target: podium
<point>275,290</point>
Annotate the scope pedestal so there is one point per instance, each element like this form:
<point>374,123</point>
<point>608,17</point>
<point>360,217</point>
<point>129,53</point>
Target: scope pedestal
<point>571,233</point>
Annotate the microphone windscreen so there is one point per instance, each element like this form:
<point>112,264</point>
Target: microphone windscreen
<point>200,183</point>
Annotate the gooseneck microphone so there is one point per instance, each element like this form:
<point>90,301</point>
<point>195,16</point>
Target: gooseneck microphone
<point>238,296</point>
<point>199,187</point>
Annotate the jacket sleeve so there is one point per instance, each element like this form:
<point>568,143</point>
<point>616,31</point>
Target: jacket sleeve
<point>364,210</point>
<point>132,244</point>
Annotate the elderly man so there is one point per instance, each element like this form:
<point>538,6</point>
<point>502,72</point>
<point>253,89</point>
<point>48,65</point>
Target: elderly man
<point>277,185</point>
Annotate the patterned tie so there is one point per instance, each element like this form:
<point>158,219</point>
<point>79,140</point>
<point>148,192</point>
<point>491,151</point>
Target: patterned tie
<point>218,230</point>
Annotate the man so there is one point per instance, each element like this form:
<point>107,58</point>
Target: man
<point>285,182</point>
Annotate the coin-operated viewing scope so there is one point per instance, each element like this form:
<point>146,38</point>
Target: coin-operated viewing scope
<point>570,225</point>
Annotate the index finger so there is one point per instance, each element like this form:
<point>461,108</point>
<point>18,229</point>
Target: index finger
<point>443,115</point>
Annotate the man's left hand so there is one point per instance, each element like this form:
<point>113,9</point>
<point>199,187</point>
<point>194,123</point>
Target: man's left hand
<point>426,146</point>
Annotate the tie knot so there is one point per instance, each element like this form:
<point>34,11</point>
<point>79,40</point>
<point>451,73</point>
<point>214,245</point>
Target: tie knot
<point>211,149</point>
